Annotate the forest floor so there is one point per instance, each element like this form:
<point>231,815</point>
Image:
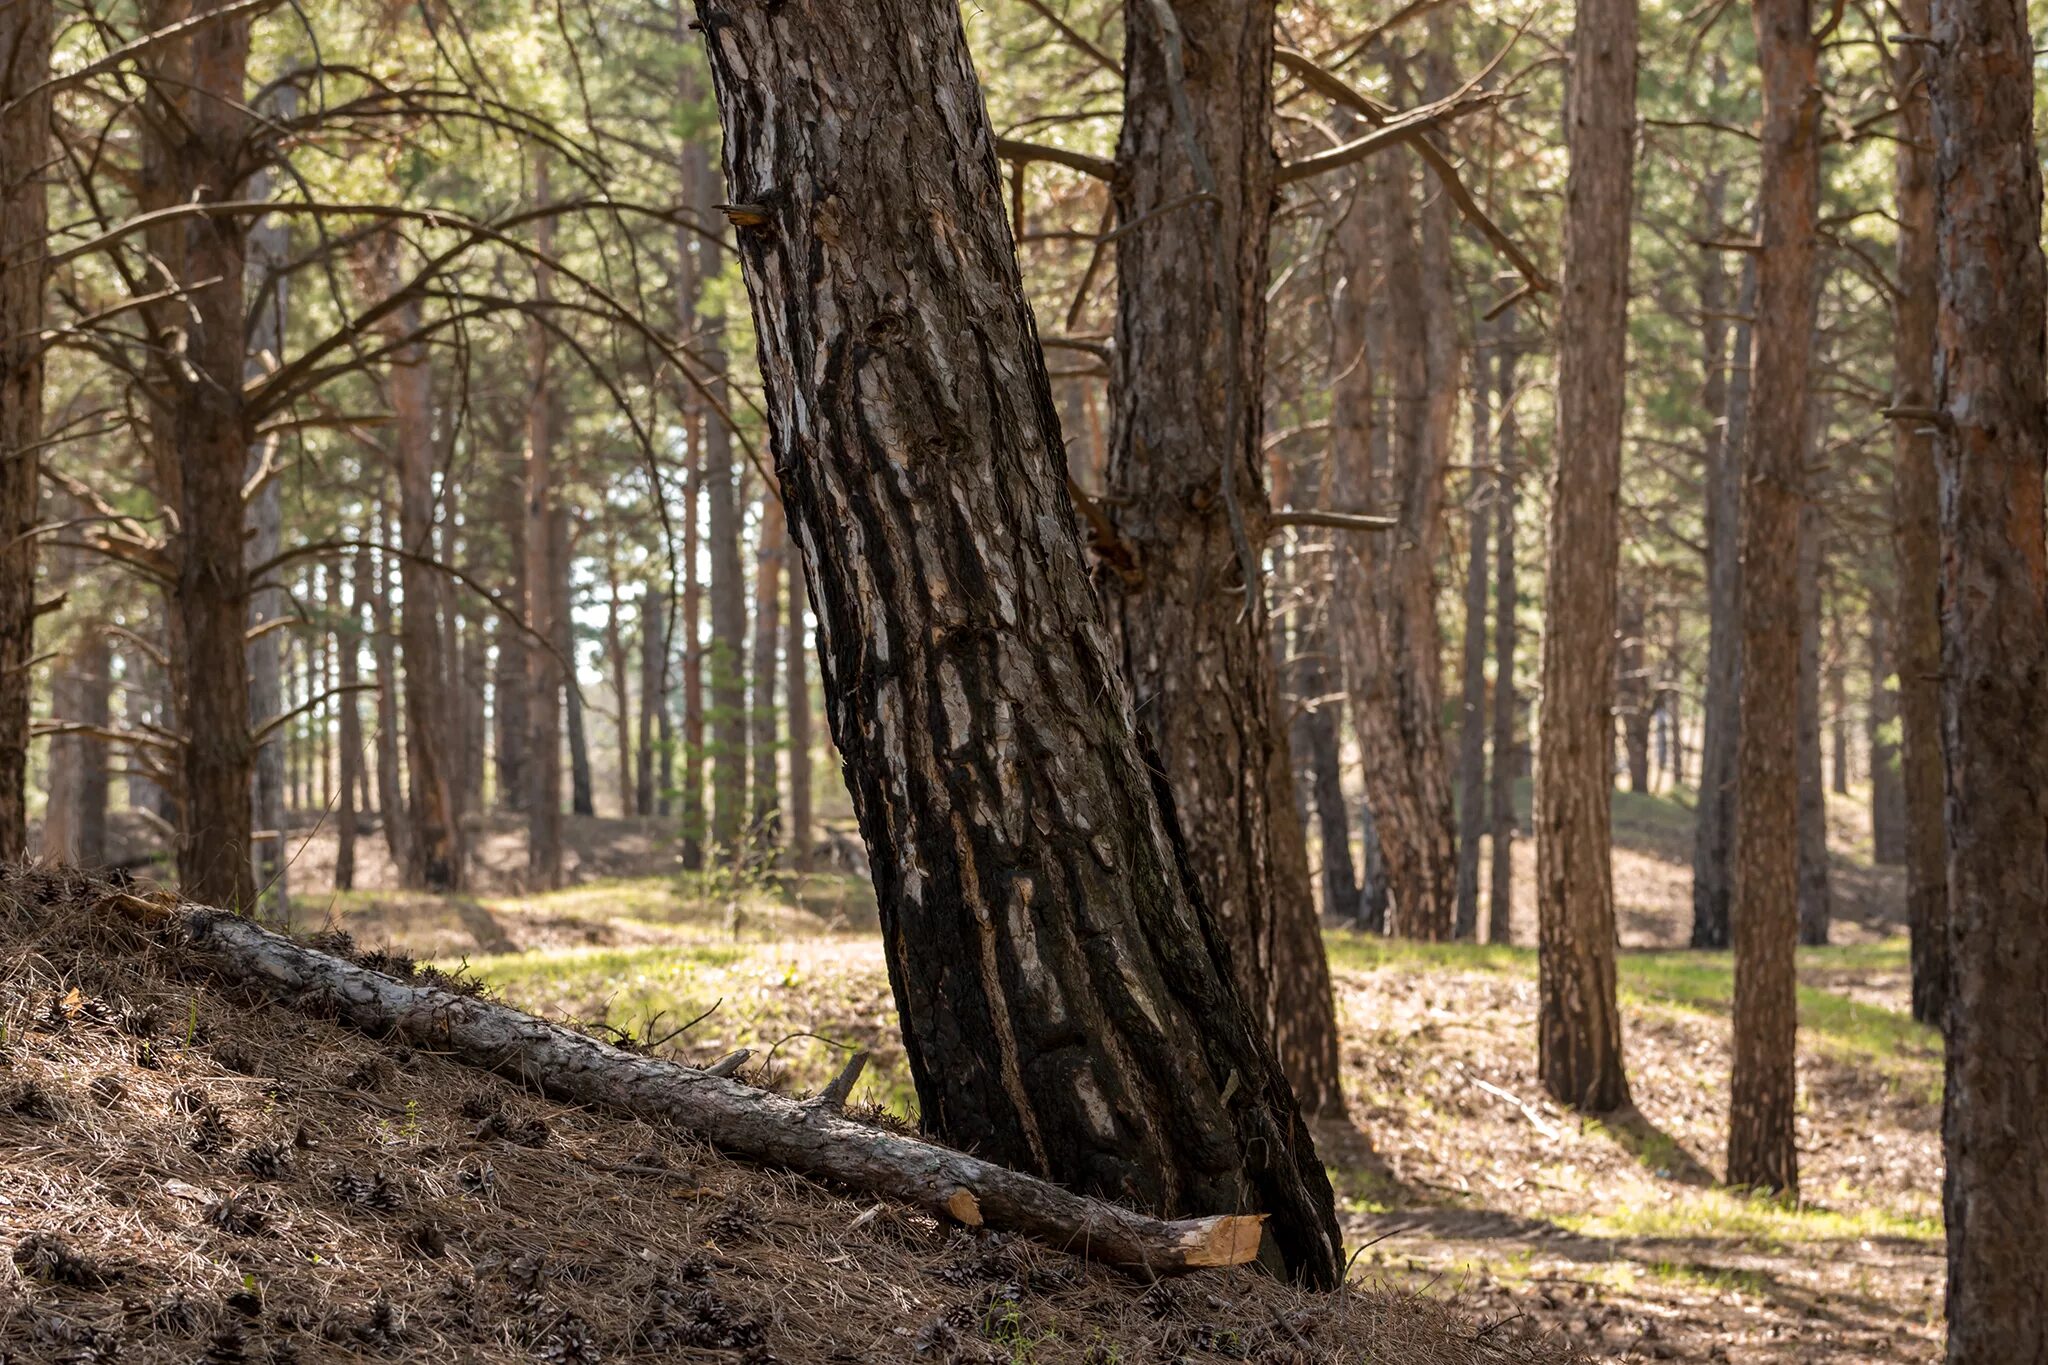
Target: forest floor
<point>1453,1173</point>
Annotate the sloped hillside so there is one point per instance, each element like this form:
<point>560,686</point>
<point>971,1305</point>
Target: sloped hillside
<point>190,1174</point>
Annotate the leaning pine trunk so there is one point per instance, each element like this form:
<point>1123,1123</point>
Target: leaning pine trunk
<point>1067,1000</point>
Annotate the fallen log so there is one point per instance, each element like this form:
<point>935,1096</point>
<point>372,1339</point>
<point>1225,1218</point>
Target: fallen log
<point>751,1124</point>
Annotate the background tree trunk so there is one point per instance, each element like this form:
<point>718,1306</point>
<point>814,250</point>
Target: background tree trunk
<point>1316,731</point>
<point>802,824</point>
<point>1067,1000</point>
<point>1635,698</point>
<point>1506,598</point>
<point>582,795</point>
<point>25,152</point>
<point>390,805</point>
<point>348,643</point>
<point>1713,859</point>
<point>1481,489</point>
<point>766,824</point>
<point>544,680</point>
<point>1578,1031</point>
<point>1887,791</point>
<point>1990,388</point>
<point>199,435</point>
<point>654,625</point>
<point>1915,532</point>
<point>1764,911</point>
<point>1815,897</point>
<point>1193,631</point>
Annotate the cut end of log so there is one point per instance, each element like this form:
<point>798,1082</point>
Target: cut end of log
<point>1232,1239</point>
<point>962,1207</point>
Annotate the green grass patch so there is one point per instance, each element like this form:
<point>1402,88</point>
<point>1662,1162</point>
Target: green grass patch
<point>1759,1221</point>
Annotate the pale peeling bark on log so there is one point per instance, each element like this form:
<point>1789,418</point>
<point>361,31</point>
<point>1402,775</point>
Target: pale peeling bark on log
<point>750,1124</point>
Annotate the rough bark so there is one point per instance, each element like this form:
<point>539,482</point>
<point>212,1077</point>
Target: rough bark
<point>1383,592</point>
<point>808,1136</point>
<point>1915,532</point>
<point>543,666</point>
<point>1887,790</point>
<point>1067,1000</point>
<point>1506,597</point>
<point>1713,859</point>
<point>765,826</point>
<point>1764,907</point>
<point>195,149</point>
<point>1188,498</point>
<point>1578,1030</point>
<point>25,35</point>
<point>1481,490</point>
<point>1991,380</point>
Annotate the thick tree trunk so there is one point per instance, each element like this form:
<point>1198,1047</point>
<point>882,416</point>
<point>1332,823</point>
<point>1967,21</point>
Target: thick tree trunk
<point>1887,791</point>
<point>1506,598</point>
<point>1713,858</point>
<point>1915,532</point>
<point>1764,908</point>
<point>1482,488</point>
<point>1067,999</point>
<point>25,155</point>
<point>1578,1030</point>
<point>435,841</point>
<point>543,802</point>
<point>1991,384</point>
<point>1815,896</point>
<point>348,644</point>
<point>765,830</point>
<point>198,125</point>
<point>1383,592</point>
<point>1188,499</point>
<point>802,823</point>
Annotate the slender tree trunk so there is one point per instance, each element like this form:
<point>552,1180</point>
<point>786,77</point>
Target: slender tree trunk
<point>1713,860</point>
<point>766,824</point>
<point>615,657</point>
<point>63,785</point>
<point>1578,1029</point>
<point>544,681</point>
<point>1815,896</point>
<point>1067,1000</point>
<point>1189,501</point>
<point>1887,791</point>
<point>696,826</point>
<point>511,717</point>
<point>1764,909</point>
<point>1319,740</point>
<point>582,794</point>
<point>798,649</point>
<point>1915,533</point>
<point>435,840</point>
<point>25,155</point>
<point>195,150</point>
<point>1990,454</point>
<point>724,664</point>
<point>1481,490</point>
<point>1836,673</point>
<point>390,805</point>
<point>1384,590</point>
<point>654,621</point>
<point>1506,596</point>
<point>348,644</point>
